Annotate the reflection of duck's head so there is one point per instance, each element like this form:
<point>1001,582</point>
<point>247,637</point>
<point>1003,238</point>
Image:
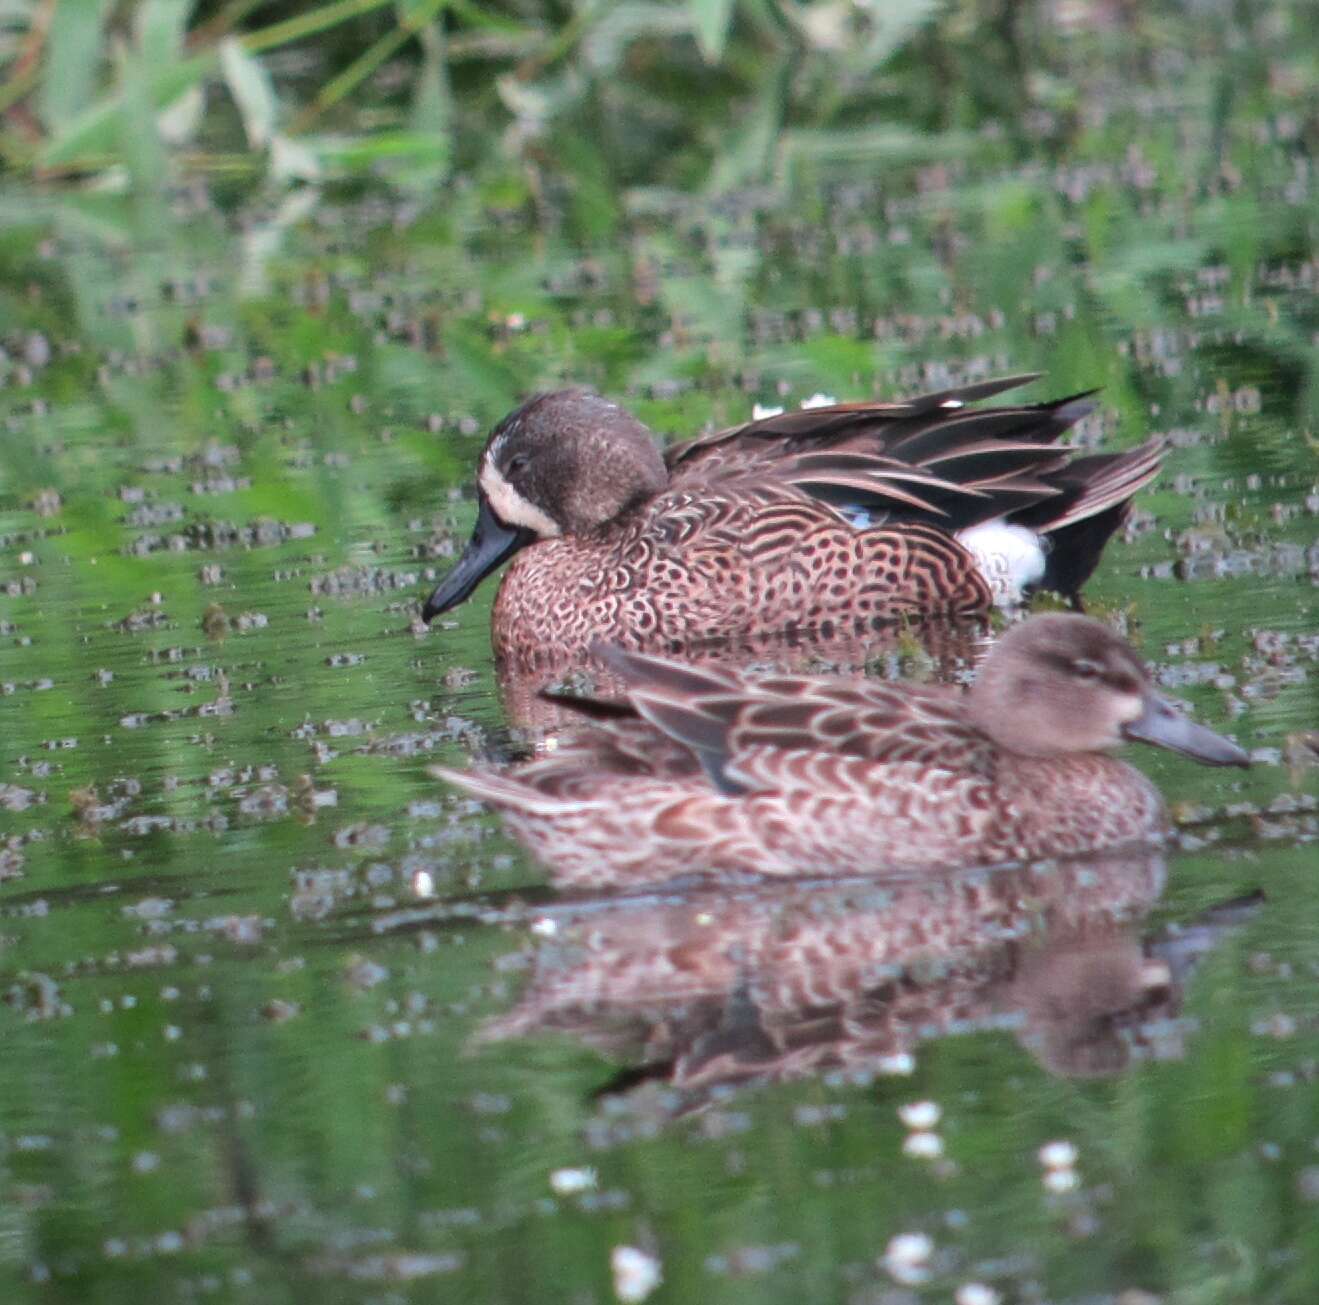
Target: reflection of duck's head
<point>562,464</point>
<point>1087,1002</point>
<point>1062,683</point>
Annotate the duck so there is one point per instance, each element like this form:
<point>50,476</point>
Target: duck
<point>703,770</point>
<point>825,520</point>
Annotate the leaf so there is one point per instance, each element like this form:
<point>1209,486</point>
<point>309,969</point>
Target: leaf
<point>160,25</point>
<point>254,93</point>
<point>896,22</point>
<point>96,131</point>
<point>178,122</point>
<point>745,154</point>
<point>263,240</point>
<point>711,20</point>
<point>72,63</point>
<point>140,148</point>
<point>618,25</point>
<point>432,108</point>
<point>293,160</point>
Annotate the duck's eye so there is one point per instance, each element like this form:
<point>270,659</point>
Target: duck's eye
<point>517,464</point>
<point>1084,669</point>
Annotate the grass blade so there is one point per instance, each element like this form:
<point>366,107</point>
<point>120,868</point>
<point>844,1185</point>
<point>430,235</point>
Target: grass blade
<point>254,93</point>
<point>711,20</point>
<point>73,63</point>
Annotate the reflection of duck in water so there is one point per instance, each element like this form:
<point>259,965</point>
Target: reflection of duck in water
<point>831,519</point>
<point>777,981</point>
<point>706,770</point>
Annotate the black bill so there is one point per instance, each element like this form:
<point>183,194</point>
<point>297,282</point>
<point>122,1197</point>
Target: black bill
<point>492,542</point>
<point>1166,727</point>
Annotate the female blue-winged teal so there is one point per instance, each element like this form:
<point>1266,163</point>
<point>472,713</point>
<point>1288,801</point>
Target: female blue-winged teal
<point>706,770</point>
<point>826,519</point>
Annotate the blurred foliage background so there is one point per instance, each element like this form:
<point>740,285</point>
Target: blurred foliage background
<point>699,94</point>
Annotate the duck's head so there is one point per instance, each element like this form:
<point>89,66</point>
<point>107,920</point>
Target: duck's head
<point>1062,683</point>
<point>562,464</point>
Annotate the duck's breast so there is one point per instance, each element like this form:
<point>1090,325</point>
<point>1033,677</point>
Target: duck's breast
<point>1060,806</point>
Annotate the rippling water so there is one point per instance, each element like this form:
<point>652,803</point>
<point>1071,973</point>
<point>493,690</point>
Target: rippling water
<point>284,1016</point>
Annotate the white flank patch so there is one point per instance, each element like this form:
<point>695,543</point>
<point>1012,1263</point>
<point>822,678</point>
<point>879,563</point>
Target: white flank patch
<point>510,507</point>
<point>1009,557</point>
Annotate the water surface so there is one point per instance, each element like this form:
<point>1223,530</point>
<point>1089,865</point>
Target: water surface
<point>276,1018</point>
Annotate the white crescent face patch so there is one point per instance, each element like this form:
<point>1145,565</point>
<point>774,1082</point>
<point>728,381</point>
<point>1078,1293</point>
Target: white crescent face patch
<point>509,506</point>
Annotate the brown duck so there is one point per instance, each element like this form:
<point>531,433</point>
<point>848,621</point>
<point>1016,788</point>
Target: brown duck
<point>828,520</point>
<point>708,770</point>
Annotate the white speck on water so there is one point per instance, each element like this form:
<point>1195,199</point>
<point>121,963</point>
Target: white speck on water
<point>920,1114</point>
<point>636,1273</point>
<point>907,1258</point>
<point>568,1182</point>
<point>921,1145</point>
<point>1058,1155</point>
<point>1061,1180</point>
<point>902,1062</point>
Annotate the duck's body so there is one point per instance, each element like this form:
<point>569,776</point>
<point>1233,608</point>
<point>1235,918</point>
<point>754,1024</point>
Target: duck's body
<point>687,569</point>
<point>828,519</point>
<point>709,771</point>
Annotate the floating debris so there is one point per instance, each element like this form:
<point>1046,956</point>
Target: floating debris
<point>920,1114</point>
<point>568,1182</point>
<point>907,1258</point>
<point>636,1273</point>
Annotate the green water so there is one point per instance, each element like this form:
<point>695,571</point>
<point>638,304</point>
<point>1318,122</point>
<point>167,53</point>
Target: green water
<point>255,958</point>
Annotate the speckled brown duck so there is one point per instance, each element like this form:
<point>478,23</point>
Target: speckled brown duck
<point>826,519</point>
<point>708,770</point>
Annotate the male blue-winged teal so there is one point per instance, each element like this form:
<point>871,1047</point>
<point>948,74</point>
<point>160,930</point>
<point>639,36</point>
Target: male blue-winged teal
<point>826,520</point>
<point>707,770</point>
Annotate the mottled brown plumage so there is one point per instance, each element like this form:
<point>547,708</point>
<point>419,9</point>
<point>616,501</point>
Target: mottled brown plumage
<point>830,519</point>
<point>707,770</point>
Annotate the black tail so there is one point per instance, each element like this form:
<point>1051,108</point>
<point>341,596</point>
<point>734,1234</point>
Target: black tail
<point>1094,503</point>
